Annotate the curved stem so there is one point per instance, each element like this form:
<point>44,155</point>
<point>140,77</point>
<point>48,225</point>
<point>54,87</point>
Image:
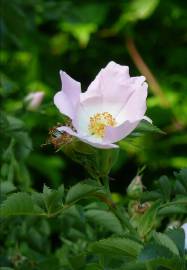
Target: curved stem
<point>105,181</point>
<point>154,84</point>
<point>144,69</point>
<point>117,210</point>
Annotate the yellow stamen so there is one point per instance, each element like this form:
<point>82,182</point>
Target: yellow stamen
<point>99,121</point>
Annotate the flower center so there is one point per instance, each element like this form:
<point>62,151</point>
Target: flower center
<point>99,121</point>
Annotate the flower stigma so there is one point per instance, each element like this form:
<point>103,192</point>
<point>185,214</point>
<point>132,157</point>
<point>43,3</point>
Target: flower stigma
<point>99,121</point>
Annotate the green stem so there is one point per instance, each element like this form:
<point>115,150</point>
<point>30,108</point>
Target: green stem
<point>105,181</point>
<point>98,181</point>
<point>62,209</point>
<point>125,221</point>
<point>116,210</point>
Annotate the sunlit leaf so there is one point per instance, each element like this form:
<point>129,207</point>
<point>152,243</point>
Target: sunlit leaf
<point>117,247</point>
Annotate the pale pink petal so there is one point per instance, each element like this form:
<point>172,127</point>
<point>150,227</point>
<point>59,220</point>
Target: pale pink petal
<point>86,109</point>
<point>100,145</point>
<point>90,107</point>
<point>115,88</point>
<point>137,81</point>
<point>114,134</point>
<point>68,98</point>
<point>87,139</point>
<point>109,83</point>
<point>135,107</point>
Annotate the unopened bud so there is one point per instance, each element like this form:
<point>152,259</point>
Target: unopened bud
<point>135,188</point>
<point>34,100</point>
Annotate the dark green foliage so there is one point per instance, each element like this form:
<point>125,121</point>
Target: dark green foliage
<point>91,231</point>
<point>117,247</point>
<point>19,204</point>
<point>44,224</point>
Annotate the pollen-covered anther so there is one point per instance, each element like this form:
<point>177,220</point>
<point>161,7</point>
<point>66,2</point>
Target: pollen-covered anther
<point>99,121</point>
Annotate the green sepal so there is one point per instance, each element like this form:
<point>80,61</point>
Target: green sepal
<point>97,162</point>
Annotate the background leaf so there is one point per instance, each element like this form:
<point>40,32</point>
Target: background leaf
<point>19,204</point>
<point>165,241</point>
<point>117,247</point>
<point>106,219</point>
<point>80,191</point>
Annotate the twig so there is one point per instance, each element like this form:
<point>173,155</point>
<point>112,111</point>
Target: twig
<point>144,69</point>
<point>177,125</point>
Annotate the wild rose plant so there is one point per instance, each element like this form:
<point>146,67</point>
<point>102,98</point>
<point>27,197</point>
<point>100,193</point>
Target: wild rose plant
<point>112,107</point>
<point>133,231</point>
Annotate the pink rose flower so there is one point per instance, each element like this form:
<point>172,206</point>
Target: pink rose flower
<point>108,111</point>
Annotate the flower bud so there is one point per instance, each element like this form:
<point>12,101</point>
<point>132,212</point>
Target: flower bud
<point>34,100</point>
<point>135,189</point>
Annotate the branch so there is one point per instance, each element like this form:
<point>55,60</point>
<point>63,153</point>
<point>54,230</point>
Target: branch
<point>144,69</point>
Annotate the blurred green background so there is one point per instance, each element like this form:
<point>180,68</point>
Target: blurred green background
<point>40,37</point>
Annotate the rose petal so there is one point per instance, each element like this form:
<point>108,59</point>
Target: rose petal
<point>109,83</point>
<point>86,109</point>
<point>135,107</point>
<point>87,139</point>
<point>68,98</point>
<point>90,107</point>
<point>114,134</point>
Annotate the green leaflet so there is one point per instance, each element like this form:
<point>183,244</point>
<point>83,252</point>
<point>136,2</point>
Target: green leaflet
<point>178,237</point>
<point>165,241</point>
<point>158,255</point>
<point>80,191</point>
<point>148,220</point>
<point>182,177</point>
<point>106,219</point>
<point>20,203</point>
<point>165,187</point>
<point>145,127</point>
<point>117,247</point>
<point>53,198</point>
<point>172,209</point>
